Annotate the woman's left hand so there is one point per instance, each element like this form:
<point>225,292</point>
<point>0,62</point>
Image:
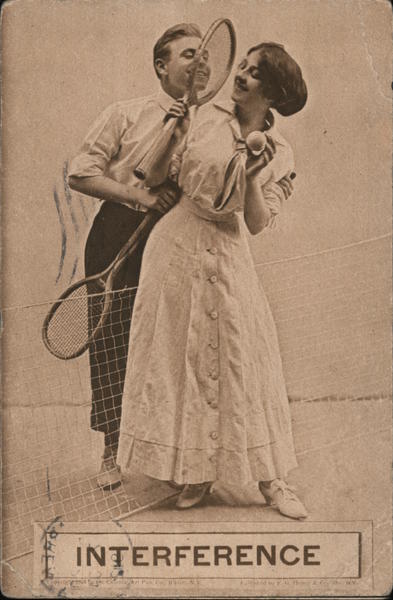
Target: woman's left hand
<point>255,164</point>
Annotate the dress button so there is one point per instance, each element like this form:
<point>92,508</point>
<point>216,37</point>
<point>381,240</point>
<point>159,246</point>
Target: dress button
<point>214,345</point>
<point>214,435</point>
<point>214,404</point>
<point>212,459</point>
<point>214,314</point>
<point>213,374</point>
<point>213,279</point>
<point>212,250</point>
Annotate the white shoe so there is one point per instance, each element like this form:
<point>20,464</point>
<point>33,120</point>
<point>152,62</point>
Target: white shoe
<point>281,496</point>
<point>109,477</point>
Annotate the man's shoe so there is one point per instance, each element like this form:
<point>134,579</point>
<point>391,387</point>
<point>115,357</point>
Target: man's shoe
<point>278,494</point>
<point>192,494</point>
<point>109,477</point>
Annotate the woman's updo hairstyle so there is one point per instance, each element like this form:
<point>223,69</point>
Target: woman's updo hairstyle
<point>281,78</point>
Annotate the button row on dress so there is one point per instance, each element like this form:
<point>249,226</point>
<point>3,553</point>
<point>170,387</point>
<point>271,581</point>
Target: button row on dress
<point>212,403</point>
<point>213,373</point>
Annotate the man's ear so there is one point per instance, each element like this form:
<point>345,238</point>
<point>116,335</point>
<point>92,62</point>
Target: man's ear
<point>160,66</point>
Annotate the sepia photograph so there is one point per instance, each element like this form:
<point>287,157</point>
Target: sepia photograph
<point>196,298</point>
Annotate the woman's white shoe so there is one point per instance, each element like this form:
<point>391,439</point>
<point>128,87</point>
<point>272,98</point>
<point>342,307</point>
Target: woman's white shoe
<point>282,497</point>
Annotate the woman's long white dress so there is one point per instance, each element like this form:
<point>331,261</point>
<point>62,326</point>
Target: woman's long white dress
<point>205,397</point>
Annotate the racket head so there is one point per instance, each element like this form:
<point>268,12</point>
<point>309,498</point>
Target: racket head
<point>77,317</point>
<point>209,71</point>
<point>212,63</point>
<point>68,327</point>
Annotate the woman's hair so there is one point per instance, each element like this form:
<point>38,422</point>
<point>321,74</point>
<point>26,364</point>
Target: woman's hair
<point>281,78</point>
<point>161,48</point>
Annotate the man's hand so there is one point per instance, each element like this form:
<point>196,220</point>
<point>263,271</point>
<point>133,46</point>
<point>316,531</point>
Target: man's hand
<point>275,193</point>
<point>255,164</point>
<point>161,198</point>
<point>179,110</point>
<point>286,184</point>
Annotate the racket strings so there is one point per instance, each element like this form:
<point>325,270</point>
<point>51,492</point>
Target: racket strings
<point>216,59</point>
<point>69,327</point>
<point>76,318</point>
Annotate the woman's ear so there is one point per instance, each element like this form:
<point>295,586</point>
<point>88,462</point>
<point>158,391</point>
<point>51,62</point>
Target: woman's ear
<point>160,66</point>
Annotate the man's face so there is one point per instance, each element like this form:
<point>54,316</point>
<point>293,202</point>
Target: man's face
<point>176,70</point>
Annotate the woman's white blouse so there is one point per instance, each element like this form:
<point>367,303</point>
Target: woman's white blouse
<point>214,141</point>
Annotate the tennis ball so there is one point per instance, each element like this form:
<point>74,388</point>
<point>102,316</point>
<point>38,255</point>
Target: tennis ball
<point>256,142</point>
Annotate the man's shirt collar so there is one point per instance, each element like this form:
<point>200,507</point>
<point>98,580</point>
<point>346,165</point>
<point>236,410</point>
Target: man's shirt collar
<point>164,100</point>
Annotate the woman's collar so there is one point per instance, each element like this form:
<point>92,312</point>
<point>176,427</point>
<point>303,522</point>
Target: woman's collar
<point>229,107</point>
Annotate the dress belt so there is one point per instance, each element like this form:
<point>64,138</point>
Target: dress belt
<point>209,214</point>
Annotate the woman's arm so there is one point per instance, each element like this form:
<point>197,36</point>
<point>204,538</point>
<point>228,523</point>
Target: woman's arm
<point>274,194</point>
<point>257,214</point>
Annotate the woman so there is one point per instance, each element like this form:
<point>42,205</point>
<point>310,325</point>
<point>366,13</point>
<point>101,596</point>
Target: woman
<point>205,397</point>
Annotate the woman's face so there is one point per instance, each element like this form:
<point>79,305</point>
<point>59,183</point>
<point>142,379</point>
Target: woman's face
<point>247,87</point>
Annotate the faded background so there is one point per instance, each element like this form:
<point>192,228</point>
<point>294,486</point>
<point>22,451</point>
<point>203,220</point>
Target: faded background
<point>325,268</point>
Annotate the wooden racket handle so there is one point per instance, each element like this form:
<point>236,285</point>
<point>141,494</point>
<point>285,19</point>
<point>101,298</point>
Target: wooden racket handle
<point>142,232</point>
<point>139,234</point>
<point>148,168</point>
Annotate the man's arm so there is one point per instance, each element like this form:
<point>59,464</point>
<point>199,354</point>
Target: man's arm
<point>86,172</point>
<point>105,188</point>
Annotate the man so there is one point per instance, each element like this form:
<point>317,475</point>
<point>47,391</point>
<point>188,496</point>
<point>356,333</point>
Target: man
<point>104,169</point>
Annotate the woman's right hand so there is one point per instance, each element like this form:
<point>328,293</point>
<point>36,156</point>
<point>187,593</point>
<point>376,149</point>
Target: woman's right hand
<point>255,164</point>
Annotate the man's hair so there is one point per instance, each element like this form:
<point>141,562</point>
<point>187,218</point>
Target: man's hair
<point>161,49</point>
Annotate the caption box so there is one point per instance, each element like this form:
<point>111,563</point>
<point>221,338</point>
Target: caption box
<point>93,557</point>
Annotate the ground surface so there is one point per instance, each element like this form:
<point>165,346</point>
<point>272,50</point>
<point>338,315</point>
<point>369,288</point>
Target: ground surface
<point>344,452</point>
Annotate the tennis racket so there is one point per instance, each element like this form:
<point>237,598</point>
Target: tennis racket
<point>67,331</point>
<point>210,69</point>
